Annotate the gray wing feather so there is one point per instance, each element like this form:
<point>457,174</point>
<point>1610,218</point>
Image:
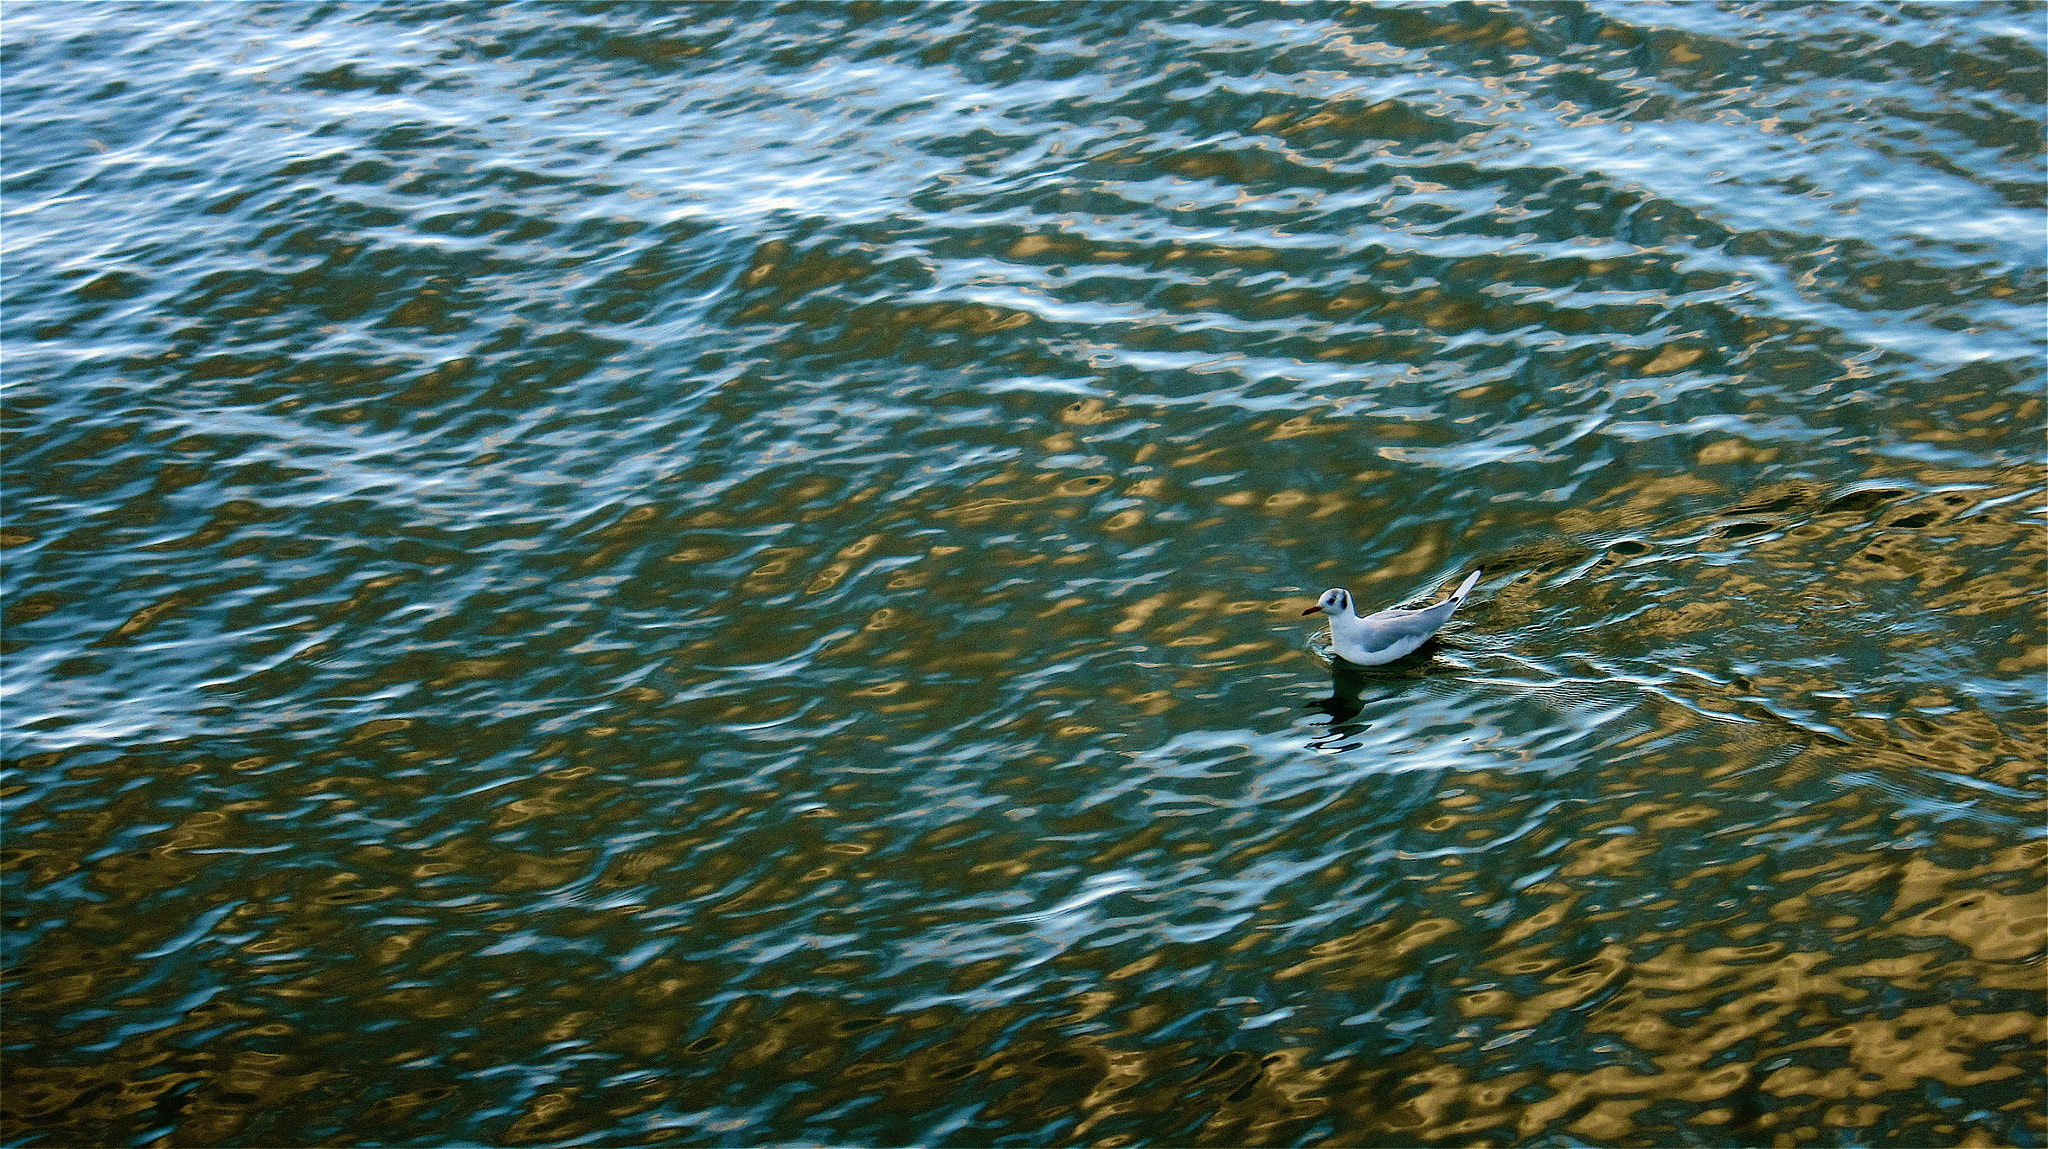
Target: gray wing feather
<point>1384,628</point>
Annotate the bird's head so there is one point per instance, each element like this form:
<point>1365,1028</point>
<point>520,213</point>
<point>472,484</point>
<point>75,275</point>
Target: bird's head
<point>1334,601</point>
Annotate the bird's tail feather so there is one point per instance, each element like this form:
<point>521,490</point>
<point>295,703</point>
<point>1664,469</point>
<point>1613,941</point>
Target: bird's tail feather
<point>1465,588</point>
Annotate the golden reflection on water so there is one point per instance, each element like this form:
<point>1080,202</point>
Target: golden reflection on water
<point>1685,1006</point>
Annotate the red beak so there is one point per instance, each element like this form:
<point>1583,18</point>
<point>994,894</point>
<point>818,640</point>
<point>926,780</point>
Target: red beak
<point>1316,609</point>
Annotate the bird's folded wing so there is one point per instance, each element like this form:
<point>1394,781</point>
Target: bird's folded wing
<point>1388,627</point>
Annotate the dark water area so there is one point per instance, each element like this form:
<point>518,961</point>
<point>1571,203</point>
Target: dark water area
<point>732,574</point>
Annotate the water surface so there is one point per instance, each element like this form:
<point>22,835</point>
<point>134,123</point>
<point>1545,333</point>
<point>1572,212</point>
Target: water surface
<point>731,575</point>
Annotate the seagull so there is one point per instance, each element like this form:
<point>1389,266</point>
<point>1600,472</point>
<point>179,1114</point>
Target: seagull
<point>1381,638</point>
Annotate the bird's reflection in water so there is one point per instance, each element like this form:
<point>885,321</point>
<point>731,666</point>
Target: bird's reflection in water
<point>1347,694</point>
<point>1349,685</point>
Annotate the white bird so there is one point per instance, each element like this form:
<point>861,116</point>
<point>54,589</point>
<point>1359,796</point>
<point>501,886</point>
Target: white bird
<point>1382,637</point>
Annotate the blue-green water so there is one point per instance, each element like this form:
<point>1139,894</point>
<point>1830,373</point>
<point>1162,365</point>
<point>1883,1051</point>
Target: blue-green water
<point>732,574</point>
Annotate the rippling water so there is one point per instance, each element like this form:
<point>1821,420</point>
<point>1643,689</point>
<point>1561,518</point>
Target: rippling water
<point>731,575</point>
